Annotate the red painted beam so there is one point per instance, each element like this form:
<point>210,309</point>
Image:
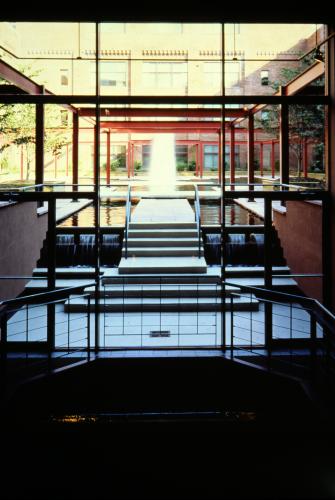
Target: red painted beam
<point>27,85</point>
<point>163,126</point>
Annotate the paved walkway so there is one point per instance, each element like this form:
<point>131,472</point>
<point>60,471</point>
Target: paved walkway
<point>163,210</point>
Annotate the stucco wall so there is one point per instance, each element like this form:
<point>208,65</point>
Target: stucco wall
<point>300,233</point>
<point>22,233</point>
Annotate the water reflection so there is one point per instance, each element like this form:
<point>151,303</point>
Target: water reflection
<point>112,213</point>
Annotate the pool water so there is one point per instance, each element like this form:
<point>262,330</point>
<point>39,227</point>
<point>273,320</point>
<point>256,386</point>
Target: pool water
<point>112,213</point>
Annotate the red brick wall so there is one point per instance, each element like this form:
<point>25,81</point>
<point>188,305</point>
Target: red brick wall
<point>300,233</point>
<point>21,238</point>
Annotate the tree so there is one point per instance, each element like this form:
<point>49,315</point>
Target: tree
<point>17,126</point>
<point>306,122</point>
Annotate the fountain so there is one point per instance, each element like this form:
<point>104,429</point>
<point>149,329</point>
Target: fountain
<point>162,169</point>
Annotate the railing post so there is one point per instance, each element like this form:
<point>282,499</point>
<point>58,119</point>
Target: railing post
<point>231,325</point>
<point>313,341</point>
<point>88,326</point>
<point>51,239</point>
<point>268,270</point>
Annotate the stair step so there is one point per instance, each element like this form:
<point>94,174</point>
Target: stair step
<point>162,233</point>
<point>179,278</point>
<point>162,305</point>
<point>164,290</point>
<point>164,242</point>
<point>163,251</point>
<point>162,225</point>
<point>159,265</point>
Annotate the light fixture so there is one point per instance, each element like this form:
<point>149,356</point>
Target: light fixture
<point>318,55</point>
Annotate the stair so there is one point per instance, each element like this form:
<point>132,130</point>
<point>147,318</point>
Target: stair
<point>162,304</point>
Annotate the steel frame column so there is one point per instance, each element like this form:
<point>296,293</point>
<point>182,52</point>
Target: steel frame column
<point>273,160</point>
<point>128,160</point>
<point>261,158</point>
<point>39,146</point>
<point>197,159</point>
<point>220,167</point>
<point>108,160</point>
<point>97,191</point>
<point>284,152</point>
<point>232,154</point>
<point>251,153</point>
<point>201,160</point>
<point>329,225</point>
<point>268,269</point>
<point>51,244</point>
<point>75,150</point>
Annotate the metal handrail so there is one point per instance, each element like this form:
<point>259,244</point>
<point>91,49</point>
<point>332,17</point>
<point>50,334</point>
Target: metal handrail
<point>325,317</point>
<point>127,221</point>
<point>197,216</point>
<point>48,296</point>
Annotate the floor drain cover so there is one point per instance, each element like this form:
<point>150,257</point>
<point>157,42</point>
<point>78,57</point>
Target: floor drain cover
<point>160,333</point>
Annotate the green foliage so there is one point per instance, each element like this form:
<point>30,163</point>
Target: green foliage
<point>17,126</point>
<point>305,121</point>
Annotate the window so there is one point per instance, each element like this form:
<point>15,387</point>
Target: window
<point>232,73</point>
<point>213,74</point>
<point>112,74</point>
<point>64,77</point>
<point>265,77</point>
<point>164,75</point>
<point>211,157</point>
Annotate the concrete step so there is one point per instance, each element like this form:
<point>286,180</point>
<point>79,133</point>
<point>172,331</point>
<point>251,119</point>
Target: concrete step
<point>163,225</point>
<point>163,251</point>
<point>141,305</point>
<point>159,265</point>
<point>162,242</point>
<point>254,270</point>
<point>211,276</point>
<point>164,290</point>
<point>162,233</point>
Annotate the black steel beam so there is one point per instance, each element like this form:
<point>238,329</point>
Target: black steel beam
<point>146,100</point>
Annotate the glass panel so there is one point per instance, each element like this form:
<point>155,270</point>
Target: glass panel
<point>164,58</point>
<point>307,145</point>
<point>17,146</point>
<point>261,57</point>
<point>56,55</point>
